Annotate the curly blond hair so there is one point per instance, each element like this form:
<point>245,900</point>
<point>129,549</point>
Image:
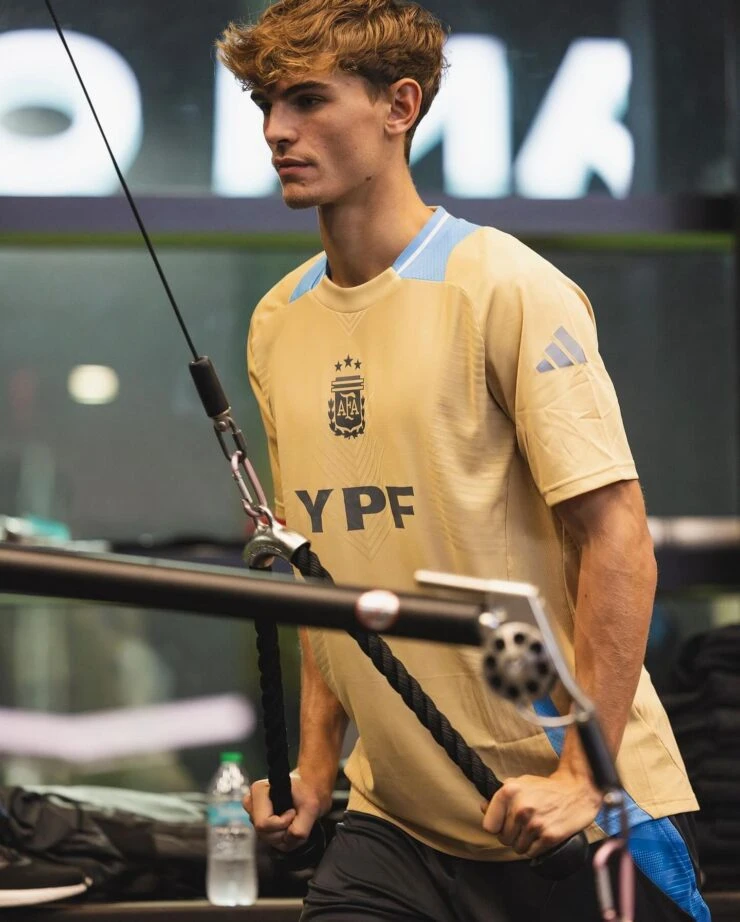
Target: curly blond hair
<point>380,40</point>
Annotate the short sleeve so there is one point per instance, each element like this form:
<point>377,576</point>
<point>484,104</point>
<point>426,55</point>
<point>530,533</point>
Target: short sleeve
<point>544,368</point>
<point>257,378</point>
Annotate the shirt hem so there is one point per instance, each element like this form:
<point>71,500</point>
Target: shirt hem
<point>359,803</point>
<point>580,485</point>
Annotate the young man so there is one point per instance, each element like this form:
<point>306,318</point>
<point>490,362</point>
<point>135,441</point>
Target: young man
<point>434,398</point>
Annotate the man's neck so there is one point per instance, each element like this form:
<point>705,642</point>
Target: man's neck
<point>364,237</point>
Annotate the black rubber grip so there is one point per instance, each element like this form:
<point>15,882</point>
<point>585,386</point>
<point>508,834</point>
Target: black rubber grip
<point>563,860</point>
<point>597,752</point>
<point>304,856</point>
<point>208,386</point>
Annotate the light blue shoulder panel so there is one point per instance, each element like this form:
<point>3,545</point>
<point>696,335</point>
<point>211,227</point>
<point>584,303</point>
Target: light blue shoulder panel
<point>311,279</point>
<point>426,257</point>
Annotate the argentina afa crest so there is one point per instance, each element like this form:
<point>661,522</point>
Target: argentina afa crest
<point>347,402</point>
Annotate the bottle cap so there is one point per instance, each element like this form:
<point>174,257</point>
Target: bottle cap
<point>231,757</point>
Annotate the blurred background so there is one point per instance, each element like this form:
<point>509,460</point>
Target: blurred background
<point>605,134</point>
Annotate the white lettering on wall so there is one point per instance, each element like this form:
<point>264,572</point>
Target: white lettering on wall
<point>241,157</point>
<point>73,162</point>
<point>471,117</point>
<point>577,132</point>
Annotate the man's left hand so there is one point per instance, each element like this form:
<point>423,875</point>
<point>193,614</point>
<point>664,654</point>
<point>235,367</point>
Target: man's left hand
<point>533,814</point>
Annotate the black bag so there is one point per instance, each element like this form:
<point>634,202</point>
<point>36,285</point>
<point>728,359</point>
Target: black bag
<point>127,855</point>
<point>132,845</point>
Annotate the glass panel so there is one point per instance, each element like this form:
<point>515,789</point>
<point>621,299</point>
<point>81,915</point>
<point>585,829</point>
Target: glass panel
<point>151,697</point>
<point>666,331</point>
<point>148,464</point>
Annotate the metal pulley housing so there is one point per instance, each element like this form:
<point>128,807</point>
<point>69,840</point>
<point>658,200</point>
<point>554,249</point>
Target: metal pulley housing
<point>516,663</point>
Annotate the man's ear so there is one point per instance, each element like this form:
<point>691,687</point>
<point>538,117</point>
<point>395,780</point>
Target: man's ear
<point>405,102</point>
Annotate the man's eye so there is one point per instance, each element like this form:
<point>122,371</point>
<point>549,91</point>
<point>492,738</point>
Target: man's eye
<point>308,102</point>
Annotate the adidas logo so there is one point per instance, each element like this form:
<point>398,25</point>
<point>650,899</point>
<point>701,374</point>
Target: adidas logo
<point>562,352</point>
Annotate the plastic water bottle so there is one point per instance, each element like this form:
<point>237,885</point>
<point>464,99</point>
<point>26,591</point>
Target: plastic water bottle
<point>231,878</point>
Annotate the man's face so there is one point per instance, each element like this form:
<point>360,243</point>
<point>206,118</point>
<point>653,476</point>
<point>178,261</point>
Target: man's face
<point>326,137</point>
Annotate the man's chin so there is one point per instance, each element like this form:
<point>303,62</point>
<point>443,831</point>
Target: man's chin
<point>298,203</point>
<point>297,197</point>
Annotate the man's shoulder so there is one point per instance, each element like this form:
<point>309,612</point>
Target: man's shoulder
<point>275,302</point>
<point>471,256</point>
<point>491,259</point>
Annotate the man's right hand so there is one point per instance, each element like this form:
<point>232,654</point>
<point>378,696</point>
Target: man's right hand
<point>292,828</point>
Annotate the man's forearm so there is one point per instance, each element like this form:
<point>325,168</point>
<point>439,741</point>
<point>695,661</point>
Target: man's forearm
<point>616,589</point>
<point>323,725</point>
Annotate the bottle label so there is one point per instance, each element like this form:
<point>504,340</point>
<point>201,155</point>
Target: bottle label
<point>228,813</point>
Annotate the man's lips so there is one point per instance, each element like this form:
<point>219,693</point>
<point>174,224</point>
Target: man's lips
<point>287,166</point>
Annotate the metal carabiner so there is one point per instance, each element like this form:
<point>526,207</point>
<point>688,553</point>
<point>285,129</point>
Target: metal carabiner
<point>610,912</point>
<point>255,505</point>
<point>240,458</point>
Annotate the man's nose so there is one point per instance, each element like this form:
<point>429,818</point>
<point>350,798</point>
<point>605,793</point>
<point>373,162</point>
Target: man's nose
<point>279,129</point>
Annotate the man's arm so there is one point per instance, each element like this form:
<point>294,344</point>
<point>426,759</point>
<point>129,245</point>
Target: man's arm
<point>323,725</point>
<point>616,587</point>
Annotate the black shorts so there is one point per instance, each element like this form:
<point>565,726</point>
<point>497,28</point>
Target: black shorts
<point>374,872</point>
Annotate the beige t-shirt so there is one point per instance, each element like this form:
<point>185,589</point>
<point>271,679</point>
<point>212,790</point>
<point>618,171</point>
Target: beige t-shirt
<point>429,419</point>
